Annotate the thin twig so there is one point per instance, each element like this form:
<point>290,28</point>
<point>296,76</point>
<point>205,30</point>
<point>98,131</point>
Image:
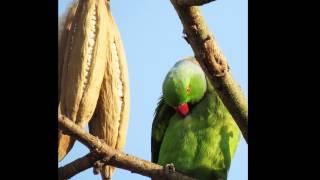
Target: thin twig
<point>117,158</point>
<point>78,166</point>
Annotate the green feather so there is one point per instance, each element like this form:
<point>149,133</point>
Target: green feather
<point>161,120</point>
<point>201,144</point>
<point>185,75</point>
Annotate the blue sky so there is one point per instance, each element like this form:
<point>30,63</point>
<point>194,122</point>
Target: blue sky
<point>152,36</point>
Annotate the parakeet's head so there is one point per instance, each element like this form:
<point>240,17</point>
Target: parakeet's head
<point>185,84</point>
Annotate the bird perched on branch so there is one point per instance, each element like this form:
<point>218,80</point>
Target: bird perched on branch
<point>192,128</point>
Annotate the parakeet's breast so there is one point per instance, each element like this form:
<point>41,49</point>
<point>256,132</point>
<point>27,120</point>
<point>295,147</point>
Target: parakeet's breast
<point>203,143</point>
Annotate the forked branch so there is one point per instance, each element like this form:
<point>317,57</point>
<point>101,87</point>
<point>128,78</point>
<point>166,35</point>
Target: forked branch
<point>114,157</point>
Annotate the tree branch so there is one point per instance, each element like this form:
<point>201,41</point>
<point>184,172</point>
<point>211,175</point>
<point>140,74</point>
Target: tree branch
<point>192,2</point>
<point>114,157</point>
<point>214,63</point>
<point>78,166</point>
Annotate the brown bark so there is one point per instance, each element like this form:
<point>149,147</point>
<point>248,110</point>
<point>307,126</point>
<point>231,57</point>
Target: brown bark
<point>78,166</point>
<point>115,157</point>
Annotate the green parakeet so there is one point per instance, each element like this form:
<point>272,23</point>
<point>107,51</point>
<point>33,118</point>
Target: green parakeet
<point>192,128</point>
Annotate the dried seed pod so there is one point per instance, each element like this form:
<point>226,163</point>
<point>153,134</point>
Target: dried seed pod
<point>84,62</point>
<point>65,23</point>
<point>110,121</point>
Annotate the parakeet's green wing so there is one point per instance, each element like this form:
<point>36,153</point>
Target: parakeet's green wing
<point>160,123</point>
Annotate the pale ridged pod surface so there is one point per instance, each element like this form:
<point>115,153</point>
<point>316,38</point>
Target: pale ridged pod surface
<point>83,53</point>
<point>65,23</point>
<point>110,121</point>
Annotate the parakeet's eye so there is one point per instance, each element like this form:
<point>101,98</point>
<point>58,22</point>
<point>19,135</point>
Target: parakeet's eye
<point>188,90</point>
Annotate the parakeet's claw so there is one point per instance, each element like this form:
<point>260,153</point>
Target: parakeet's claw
<point>169,168</point>
<point>97,167</point>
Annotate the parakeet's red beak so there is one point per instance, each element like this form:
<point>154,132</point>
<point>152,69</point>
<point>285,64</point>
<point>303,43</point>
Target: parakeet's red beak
<point>183,109</point>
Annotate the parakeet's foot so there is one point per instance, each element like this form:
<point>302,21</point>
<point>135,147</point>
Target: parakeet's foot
<point>169,168</point>
<point>97,167</point>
